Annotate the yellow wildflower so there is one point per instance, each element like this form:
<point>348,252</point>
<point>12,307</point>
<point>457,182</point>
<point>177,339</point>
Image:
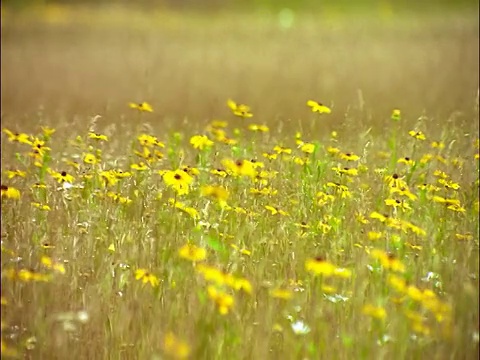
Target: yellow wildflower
<point>318,107</point>
<point>201,142</point>
<point>223,300</point>
<point>319,266</point>
<point>176,348</point>
<point>146,277</point>
<point>143,107</point>
<point>10,192</point>
<point>417,134</point>
<point>178,180</point>
<point>239,110</point>
<point>192,252</point>
<point>377,312</point>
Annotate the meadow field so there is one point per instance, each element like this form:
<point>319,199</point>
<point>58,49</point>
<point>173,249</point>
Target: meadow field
<point>240,184</point>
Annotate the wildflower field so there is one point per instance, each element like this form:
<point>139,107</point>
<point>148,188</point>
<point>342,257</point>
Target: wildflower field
<point>183,186</point>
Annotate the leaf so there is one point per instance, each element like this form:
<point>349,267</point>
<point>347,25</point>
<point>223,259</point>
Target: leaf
<point>215,244</point>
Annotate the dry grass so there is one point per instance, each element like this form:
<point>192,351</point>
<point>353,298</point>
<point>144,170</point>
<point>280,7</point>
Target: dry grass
<point>186,66</point>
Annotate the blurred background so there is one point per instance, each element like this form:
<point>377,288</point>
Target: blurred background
<point>64,61</point>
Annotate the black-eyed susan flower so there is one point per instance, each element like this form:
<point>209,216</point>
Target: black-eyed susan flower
<point>426,158</point>
<point>201,142</point>
<point>18,137</point>
<point>396,115</point>
<point>456,208</point>
<point>340,189</point>
<point>395,203</point>
<point>397,283</point>
<point>283,294</point>
<point>375,235</point>
<point>90,159</point>
<point>192,252</point>
<point>428,187</point>
<point>449,184</point>
<point>48,131</point>
<point>376,312</point>
<point>269,191</point>
<point>218,124</point>
<point>258,128</point>
<point>192,212</point>
<point>345,171</point>
<point>274,210</point>
<point>238,284</point>
<point>405,225</point>
<point>221,137</point>
<point>464,237</point>
<point>175,348</point>
<point>349,156</point>
<point>406,160</point>
<point>307,148</point>
<point>146,277</point>
<point>420,327</point>
<point>324,198</point>
<point>395,180</point>
<point>446,201</point>
<point>320,266</point>
<point>417,135</point>
<point>240,167</point>
<point>143,106</point>
<point>242,251</point>
<point>270,156</point>
<point>149,141</point>
<point>10,192</point>
<point>403,192</point>
<point>324,227</point>
<point>50,264</point>
<point>62,177</point>
<point>109,177</point>
<point>219,193</point>
<point>39,186</point>
<point>27,275</point>
<point>318,107</point>
<point>178,180</point>
<point>190,170</point>
<point>211,274</point>
<point>240,110</point>
<point>43,207</point>
<point>437,145</point>
<point>141,166</point>
<point>333,150</point>
<point>150,156</point>
<point>14,173</point>
<point>223,300</point>
<point>99,137</point>
<point>118,198</point>
<point>47,245</point>
<point>361,218</point>
<point>382,218</point>
<point>120,174</point>
<point>40,145</point>
<point>300,160</point>
<point>440,174</point>
<point>282,150</point>
<point>219,172</point>
<point>388,261</point>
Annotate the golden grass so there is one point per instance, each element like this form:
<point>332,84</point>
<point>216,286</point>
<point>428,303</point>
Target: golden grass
<point>131,268</point>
